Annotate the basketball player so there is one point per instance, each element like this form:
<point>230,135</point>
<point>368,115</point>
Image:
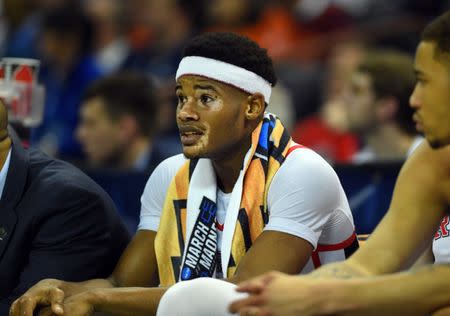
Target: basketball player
<point>243,199</point>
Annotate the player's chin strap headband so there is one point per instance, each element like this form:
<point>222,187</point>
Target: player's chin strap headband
<point>224,72</point>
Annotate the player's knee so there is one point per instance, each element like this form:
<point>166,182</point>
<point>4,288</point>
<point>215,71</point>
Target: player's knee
<point>203,296</point>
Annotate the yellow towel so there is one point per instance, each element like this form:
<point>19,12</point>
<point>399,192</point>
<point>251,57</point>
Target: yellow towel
<point>244,222</point>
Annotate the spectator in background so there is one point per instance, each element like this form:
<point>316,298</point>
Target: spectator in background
<point>65,47</point>
<point>172,23</point>
<point>271,24</point>
<point>326,131</point>
<point>282,105</point>
<point>55,222</point>
<point>25,19</point>
<point>378,106</point>
<point>119,121</point>
<point>111,46</point>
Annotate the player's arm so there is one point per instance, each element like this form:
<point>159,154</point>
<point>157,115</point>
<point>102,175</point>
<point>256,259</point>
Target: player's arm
<point>427,257</point>
<point>303,194</point>
<point>418,204</point>
<point>136,267</point>
<point>131,289</point>
<point>273,251</point>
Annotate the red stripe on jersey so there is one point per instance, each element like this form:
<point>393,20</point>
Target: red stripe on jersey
<point>332,247</point>
<point>291,149</point>
<point>342,245</point>
<point>316,259</point>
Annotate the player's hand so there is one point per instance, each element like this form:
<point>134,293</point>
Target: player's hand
<point>44,293</point>
<point>442,312</point>
<point>280,294</point>
<point>75,305</point>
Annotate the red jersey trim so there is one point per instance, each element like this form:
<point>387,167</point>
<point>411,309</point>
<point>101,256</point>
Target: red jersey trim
<point>342,245</point>
<point>332,247</point>
<point>291,149</point>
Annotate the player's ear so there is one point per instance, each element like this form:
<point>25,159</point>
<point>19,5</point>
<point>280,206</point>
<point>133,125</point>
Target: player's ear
<point>255,106</point>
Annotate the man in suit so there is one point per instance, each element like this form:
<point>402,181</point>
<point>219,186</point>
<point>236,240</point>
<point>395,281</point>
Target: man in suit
<point>55,222</point>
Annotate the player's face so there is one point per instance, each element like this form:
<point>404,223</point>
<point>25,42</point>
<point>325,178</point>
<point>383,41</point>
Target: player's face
<point>210,117</point>
<point>431,96</point>
<point>360,100</point>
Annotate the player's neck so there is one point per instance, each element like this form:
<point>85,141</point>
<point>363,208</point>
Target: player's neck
<point>229,167</point>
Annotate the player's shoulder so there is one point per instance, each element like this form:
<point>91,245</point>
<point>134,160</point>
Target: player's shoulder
<point>303,156</point>
<point>307,163</point>
<point>171,163</point>
<point>167,169</point>
<point>162,175</point>
<point>428,166</point>
<point>436,158</point>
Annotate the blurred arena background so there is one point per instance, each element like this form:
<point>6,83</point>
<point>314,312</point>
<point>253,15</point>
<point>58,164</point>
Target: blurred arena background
<point>316,45</point>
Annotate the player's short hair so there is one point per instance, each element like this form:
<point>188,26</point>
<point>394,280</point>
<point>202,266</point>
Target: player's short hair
<point>234,49</point>
<point>392,75</point>
<point>438,32</point>
<point>127,93</point>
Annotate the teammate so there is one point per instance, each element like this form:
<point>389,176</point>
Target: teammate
<point>421,199</point>
<point>244,199</point>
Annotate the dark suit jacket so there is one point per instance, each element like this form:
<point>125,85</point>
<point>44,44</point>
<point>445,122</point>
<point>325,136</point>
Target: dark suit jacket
<point>55,222</point>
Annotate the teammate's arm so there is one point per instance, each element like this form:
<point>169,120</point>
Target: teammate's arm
<point>419,202</point>
<point>418,205</point>
<point>427,257</point>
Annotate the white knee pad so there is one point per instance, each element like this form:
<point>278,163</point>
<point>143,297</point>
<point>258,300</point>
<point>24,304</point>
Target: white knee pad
<point>199,297</point>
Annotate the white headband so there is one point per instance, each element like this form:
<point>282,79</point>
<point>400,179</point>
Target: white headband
<point>224,72</point>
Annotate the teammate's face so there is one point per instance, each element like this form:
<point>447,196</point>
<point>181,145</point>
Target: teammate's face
<point>98,134</point>
<point>210,117</point>
<point>431,96</point>
<point>360,100</point>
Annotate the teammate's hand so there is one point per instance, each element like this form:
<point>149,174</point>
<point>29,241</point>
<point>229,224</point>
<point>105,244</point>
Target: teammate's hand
<point>442,312</point>
<point>280,294</point>
<point>44,293</point>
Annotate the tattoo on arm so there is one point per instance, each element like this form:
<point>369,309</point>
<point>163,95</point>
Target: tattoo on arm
<point>425,268</point>
<point>340,271</point>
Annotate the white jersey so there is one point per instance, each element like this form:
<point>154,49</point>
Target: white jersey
<point>441,242</point>
<point>305,199</point>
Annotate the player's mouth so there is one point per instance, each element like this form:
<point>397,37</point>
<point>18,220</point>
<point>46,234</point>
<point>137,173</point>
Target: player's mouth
<point>418,121</point>
<point>190,135</point>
